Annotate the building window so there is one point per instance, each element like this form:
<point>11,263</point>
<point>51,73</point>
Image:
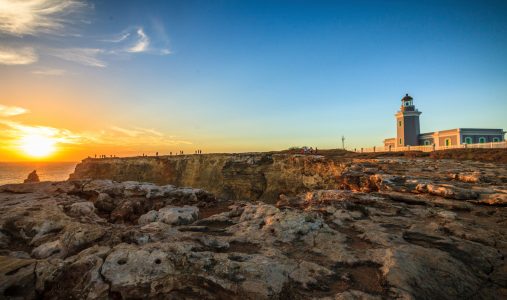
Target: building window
<point>482,140</point>
<point>427,142</point>
<point>399,123</point>
<point>400,141</point>
<point>447,142</point>
<point>496,140</point>
<point>468,140</point>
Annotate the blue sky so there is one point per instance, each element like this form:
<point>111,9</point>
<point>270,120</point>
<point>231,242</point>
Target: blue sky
<point>260,75</point>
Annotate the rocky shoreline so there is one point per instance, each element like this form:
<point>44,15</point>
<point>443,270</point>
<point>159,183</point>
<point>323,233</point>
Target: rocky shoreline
<point>258,227</point>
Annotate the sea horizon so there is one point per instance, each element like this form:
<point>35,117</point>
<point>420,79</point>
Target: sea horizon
<point>17,172</point>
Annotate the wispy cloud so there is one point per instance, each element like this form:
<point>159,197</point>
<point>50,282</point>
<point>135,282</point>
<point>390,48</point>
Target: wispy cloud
<point>39,18</point>
<point>23,17</point>
<point>14,131</point>
<point>84,56</point>
<point>17,56</point>
<point>117,39</point>
<point>138,136</point>
<point>49,72</point>
<point>150,131</point>
<point>9,111</point>
<point>129,132</point>
<point>136,40</point>
<point>142,43</point>
<point>162,36</point>
<point>137,131</point>
<point>123,140</point>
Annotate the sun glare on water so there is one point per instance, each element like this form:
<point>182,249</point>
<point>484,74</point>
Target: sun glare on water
<point>37,146</point>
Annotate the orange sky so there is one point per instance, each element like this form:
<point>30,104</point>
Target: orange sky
<point>86,77</point>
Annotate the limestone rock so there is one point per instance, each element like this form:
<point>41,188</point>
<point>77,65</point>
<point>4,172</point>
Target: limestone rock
<point>82,209</point>
<point>132,272</point>
<point>32,177</point>
<point>499,199</point>
<point>17,278</point>
<point>50,249</point>
<point>171,215</point>
<point>341,229</point>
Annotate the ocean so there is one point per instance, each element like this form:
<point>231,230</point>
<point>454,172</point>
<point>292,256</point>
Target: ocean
<point>11,172</point>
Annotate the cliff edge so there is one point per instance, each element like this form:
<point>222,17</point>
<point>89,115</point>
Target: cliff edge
<point>258,176</point>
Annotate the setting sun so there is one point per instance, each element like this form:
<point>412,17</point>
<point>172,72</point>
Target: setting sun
<point>37,145</point>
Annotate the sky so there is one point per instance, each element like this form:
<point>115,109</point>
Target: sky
<point>131,77</point>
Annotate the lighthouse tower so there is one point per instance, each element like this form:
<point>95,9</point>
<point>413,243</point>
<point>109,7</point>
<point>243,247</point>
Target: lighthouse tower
<point>407,123</point>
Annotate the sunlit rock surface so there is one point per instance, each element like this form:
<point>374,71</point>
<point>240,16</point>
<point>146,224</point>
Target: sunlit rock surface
<point>356,229</point>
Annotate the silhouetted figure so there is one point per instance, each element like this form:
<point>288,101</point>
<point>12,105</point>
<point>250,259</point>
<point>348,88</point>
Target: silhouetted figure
<point>32,177</point>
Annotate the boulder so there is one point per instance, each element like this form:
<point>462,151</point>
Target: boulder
<point>133,272</point>
<point>17,278</point>
<point>171,215</point>
<point>32,177</point>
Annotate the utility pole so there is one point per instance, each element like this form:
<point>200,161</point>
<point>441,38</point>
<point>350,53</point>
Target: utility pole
<point>343,142</point>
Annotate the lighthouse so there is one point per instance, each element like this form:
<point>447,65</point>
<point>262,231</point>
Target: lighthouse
<point>407,123</point>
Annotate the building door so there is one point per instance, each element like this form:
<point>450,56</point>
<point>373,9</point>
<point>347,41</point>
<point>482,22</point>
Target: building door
<point>447,142</point>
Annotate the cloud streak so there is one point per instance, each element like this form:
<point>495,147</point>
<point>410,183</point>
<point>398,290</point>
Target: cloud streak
<point>9,111</point>
<point>50,72</point>
<point>21,17</point>
<point>15,131</point>
<point>137,131</point>
<point>17,56</point>
<point>38,18</point>
<point>83,56</point>
<point>124,140</point>
<point>142,43</point>
<point>119,38</point>
<point>136,40</point>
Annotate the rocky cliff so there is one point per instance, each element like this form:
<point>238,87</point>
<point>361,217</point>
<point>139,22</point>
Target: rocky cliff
<point>240,177</point>
<point>392,228</point>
